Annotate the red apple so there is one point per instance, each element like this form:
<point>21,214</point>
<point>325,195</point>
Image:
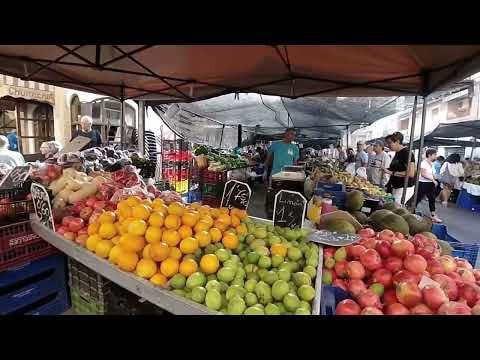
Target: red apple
<point>384,249</point>
<point>386,235</point>
<point>470,292</point>
<point>476,273</point>
<point>76,224</point>
<point>354,251</point>
<point>434,266</point>
<point>421,309</point>
<point>347,307</point>
<point>369,243</point>
<point>454,308</point>
<point>370,310</point>
<point>390,297</point>
<point>356,287</point>
<point>415,263</point>
<point>448,285</point>
<point>355,270</point>
<point>408,294</point>
<point>476,309</point>
<point>393,264</point>
<point>86,212</point>
<point>448,263</point>
<point>397,309</point>
<point>382,276</point>
<point>456,277</point>
<point>368,298</point>
<point>66,220</point>
<point>341,269</point>
<point>466,274</point>
<point>434,296</point>
<point>402,248</point>
<point>69,235</point>
<point>462,263</point>
<point>371,259</point>
<point>405,276</point>
<point>78,207</point>
<point>366,233</point>
<point>99,204</point>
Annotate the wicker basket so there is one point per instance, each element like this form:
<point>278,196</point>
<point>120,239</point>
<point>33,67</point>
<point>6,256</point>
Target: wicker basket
<point>201,161</point>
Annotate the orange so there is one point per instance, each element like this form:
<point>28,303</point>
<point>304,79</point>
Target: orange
<point>195,205</point>
<point>169,267</point>
<point>146,268</point>
<point>93,228</point>
<point>242,214</point>
<point>157,202</point>
<point>161,208</point>
<point>125,212</point>
<point>140,212</point>
<point>189,219</point>
<point>215,234</point>
<point>153,234</point>
<point>235,220</point>
<point>203,238</point>
<point>175,253</point>
<point>202,226</point>
<point>224,218</point>
<point>114,253</point>
<point>159,280</point>
<point>204,210</point>
<point>230,241</point>
<point>147,202</point>
<point>189,245</point>
<point>171,237</point>
<point>116,239</point>
<point>122,204</point>
<point>241,229</point>
<point>208,219</point>
<point>172,222</point>
<point>107,217</point>
<point>159,251</point>
<point>185,231</point>
<point>214,213</point>
<point>176,208</point>
<point>127,260</point>
<point>134,200</point>
<point>137,227</point>
<point>124,224</point>
<point>188,267</point>
<point>146,252</point>
<point>220,225</point>
<point>118,226</point>
<point>133,243</point>
<point>107,230</point>
<point>209,264</point>
<point>224,210</point>
<point>92,242</point>
<point>278,249</point>
<point>156,219</point>
<point>103,248</point>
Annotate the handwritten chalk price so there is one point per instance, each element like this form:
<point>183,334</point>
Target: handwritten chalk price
<point>43,208</point>
<point>289,209</point>
<point>236,194</point>
<point>15,178</point>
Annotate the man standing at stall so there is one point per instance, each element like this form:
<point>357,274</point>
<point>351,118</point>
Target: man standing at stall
<point>88,132</point>
<point>361,158</point>
<point>282,153</point>
<point>376,163</point>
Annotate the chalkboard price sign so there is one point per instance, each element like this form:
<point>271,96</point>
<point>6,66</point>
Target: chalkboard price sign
<point>15,178</point>
<point>289,209</point>
<point>236,194</point>
<point>43,208</point>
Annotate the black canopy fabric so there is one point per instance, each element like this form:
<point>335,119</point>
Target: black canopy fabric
<point>451,134</point>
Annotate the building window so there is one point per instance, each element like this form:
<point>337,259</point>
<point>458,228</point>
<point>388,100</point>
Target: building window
<point>36,126</point>
<point>404,123</point>
<point>75,113</point>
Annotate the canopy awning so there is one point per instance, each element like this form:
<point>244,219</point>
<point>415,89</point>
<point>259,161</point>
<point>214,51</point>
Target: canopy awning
<point>187,73</point>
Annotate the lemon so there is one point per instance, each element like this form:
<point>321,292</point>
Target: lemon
<point>140,212</point>
<point>114,253</point>
<point>137,227</point>
<point>107,230</point>
<point>153,234</point>
<point>92,242</point>
<point>103,248</point>
<point>146,268</point>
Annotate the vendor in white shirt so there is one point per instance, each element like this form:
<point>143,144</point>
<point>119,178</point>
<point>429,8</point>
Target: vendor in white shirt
<point>450,173</point>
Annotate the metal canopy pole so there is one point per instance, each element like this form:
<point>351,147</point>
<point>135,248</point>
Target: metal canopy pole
<point>348,136</point>
<point>420,148</point>
<point>141,127</point>
<point>473,148</point>
<point>410,148</point>
<point>122,120</point>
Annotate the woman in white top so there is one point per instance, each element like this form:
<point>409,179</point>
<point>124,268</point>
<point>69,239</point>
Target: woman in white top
<point>427,183</point>
<point>450,172</point>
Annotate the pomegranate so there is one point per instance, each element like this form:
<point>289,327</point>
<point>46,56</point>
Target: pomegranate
<point>382,276</point>
<point>383,248</point>
<point>462,263</point>
<point>415,263</point>
<point>405,276</point>
<point>369,243</point>
<point>340,283</point>
<point>470,292</point>
<point>328,252</point>
<point>390,297</point>
<point>454,308</point>
<point>341,269</point>
<point>369,298</point>
<point>347,307</point>
<point>448,285</point>
<point>76,224</point>
<point>366,233</point>
<point>356,287</point>
<point>370,310</point>
<point>371,259</point>
<point>408,294</point>
<point>402,248</point>
<point>434,266</point>
<point>421,309</point>
<point>397,309</point>
<point>355,270</point>
<point>393,264</point>
<point>386,235</point>
<point>448,263</point>
<point>434,296</point>
<point>466,274</point>
<point>476,309</point>
<point>355,251</point>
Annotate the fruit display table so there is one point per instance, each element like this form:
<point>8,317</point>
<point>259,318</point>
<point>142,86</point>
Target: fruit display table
<point>164,299</point>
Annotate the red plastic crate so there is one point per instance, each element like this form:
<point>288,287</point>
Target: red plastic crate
<point>214,177</point>
<point>19,244</point>
<point>14,207</point>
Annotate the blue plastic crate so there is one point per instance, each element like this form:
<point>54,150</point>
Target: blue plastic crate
<point>28,284</point>
<point>329,186</point>
<point>440,231</point>
<point>57,306</point>
<point>468,201</point>
<point>331,296</point>
<point>194,196</point>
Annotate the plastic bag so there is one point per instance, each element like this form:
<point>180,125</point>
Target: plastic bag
<point>133,191</point>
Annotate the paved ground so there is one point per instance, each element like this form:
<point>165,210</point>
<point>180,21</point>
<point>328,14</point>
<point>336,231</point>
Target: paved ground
<point>257,201</point>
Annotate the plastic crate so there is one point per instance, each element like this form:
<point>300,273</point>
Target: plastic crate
<point>213,177</point>
<point>13,206</point>
<point>331,296</point>
<point>465,251</point>
<point>329,186</point>
<point>194,196</point>
<point>439,230</point>
<point>468,201</point>
<point>32,285</point>
<point>19,244</point>
<point>123,302</point>
<point>55,304</point>
<point>338,197</point>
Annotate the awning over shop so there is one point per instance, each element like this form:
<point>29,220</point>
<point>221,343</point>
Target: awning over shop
<point>187,73</point>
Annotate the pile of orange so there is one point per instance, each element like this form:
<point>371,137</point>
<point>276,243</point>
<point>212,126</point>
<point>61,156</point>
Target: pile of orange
<point>157,241</point>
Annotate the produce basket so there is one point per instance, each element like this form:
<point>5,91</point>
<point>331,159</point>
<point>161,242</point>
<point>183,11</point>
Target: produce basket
<point>14,206</point>
<point>19,244</point>
<point>201,161</point>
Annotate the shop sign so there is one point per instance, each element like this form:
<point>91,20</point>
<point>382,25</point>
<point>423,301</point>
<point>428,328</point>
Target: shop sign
<point>31,94</point>
<point>289,209</point>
